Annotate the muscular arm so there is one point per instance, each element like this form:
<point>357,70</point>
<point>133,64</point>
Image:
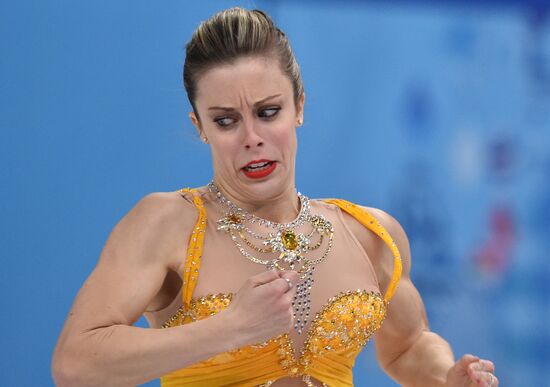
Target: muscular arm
<point>98,345</point>
<point>406,348</point>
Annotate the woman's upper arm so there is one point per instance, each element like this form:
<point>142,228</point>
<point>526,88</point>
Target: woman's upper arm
<point>132,265</point>
<point>406,316</point>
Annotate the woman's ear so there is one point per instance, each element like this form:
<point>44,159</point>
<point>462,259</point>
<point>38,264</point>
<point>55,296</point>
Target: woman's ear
<point>197,124</point>
<point>195,121</point>
<point>300,110</point>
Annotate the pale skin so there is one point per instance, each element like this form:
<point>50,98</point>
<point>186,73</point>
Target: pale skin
<point>135,273</point>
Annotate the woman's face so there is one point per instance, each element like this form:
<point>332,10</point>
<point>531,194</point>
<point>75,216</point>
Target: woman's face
<point>248,116</point>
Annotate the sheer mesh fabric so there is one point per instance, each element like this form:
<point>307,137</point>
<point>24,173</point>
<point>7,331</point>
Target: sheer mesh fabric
<point>223,270</point>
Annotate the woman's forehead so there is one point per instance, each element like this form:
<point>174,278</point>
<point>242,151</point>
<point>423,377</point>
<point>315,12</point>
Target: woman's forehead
<point>246,80</point>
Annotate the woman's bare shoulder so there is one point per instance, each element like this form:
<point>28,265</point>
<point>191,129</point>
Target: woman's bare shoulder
<point>166,207</point>
<point>158,222</point>
<point>377,250</point>
<point>397,234</point>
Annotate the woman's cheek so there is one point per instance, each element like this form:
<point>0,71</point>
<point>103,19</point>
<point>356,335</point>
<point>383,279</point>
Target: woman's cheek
<point>286,136</point>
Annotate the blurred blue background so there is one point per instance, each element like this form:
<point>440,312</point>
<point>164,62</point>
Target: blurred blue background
<point>437,112</point>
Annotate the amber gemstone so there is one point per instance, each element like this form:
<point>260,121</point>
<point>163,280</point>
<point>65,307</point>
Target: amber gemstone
<point>234,218</point>
<point>289,240</point>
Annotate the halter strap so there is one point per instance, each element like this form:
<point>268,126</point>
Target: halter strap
<point>194,249</point>
<point>366,219</point>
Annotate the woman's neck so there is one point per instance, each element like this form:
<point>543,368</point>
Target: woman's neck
<point>280,208</point>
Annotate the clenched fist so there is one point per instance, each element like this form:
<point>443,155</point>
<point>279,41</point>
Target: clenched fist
<point>262,308</point>
<point>471,371</point>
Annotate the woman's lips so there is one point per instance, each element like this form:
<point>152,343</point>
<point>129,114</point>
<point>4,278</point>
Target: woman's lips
<point>259,168</point>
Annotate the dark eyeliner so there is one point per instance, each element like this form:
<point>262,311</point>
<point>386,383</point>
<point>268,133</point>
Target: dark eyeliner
<point>218,119</point>
<point>275,108</point>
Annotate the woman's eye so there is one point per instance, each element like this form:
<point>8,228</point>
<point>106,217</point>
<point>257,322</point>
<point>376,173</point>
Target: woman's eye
<point>224,121</point>
<point>269,112</point>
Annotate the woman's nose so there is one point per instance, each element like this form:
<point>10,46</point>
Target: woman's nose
<point>252,137</point>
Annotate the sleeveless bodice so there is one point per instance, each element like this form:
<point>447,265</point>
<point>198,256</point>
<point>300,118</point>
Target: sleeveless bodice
<point>341,326</point>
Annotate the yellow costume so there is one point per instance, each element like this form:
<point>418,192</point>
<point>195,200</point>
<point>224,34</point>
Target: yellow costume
<point>337,334</point>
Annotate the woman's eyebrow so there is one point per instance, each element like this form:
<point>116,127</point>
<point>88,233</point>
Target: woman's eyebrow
<point>255,104</point>
<point>266,99</point>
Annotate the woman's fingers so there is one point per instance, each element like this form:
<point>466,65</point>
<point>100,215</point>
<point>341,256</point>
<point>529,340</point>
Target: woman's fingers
<point>467,360</point>
<point>481,371</point>
<point>263,278</point>
<point>493,380</point>
<point>487,365</point>
<point>482,365</point>
<point>263,305</point>
<point>291,277</point>
<point>476,371</point>
<point>269,276</point>
<point>487,379</point>
<point>286,284</point>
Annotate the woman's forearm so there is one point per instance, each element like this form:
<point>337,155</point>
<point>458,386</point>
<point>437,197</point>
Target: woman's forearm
<point>425,363</point>
<point>122,355</point>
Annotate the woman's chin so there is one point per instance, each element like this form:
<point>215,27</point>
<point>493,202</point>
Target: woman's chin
<point>269,186</point>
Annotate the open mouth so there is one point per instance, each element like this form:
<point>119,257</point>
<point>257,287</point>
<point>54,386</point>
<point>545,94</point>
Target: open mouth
<point>259,168</point>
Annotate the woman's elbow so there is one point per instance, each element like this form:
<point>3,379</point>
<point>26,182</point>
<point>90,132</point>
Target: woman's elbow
<point>63,372</point>
<point>70,369</point>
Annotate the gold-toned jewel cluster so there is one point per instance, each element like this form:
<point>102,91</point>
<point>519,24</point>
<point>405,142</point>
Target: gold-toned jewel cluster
<point>290,246</point>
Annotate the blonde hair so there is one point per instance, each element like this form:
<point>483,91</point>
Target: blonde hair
<point>230,35</point>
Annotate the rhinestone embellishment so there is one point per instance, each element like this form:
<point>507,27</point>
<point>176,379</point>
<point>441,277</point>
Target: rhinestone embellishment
<point>288,249</point>
<point>346,322</point>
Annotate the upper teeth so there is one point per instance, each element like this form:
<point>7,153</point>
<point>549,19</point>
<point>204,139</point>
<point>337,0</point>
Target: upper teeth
<point>258,165</point>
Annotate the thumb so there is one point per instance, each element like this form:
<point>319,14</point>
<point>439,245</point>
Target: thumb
<point>263,278</point>
<point>291,275</point>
